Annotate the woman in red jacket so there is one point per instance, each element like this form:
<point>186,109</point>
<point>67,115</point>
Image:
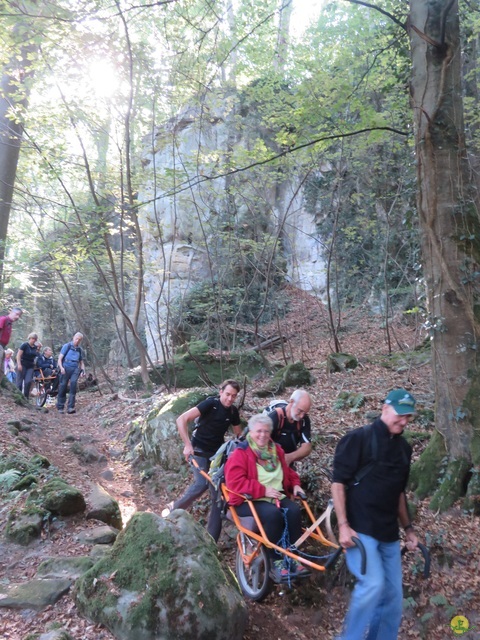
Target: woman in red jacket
<point>258,468</point>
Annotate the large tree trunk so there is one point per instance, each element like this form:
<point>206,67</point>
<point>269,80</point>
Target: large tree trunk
<point>450,232</point>
<point>14,92</point>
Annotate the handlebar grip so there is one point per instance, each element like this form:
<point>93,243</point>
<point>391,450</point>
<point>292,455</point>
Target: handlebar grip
<point>359,544</point>
<point>426,558</point>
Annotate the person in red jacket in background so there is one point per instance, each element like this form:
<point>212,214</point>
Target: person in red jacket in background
<point>6,323</point>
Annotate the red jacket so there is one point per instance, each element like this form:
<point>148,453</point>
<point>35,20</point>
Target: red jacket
<point>241,475</point>
<point>5,330</point>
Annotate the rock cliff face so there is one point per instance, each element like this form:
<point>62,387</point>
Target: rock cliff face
<point>196,210</point>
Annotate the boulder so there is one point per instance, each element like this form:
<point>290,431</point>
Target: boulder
<point>64,567</point>
<point>339,362</point>
<point>60,498</point>
<point>159,434</point>
<point>293,375</point>
<point>195,362</point>
<point>24,525</point>
<point>56,634</point>
<point>163,580</point>
<point>98,535</point>
<point>104,507</point>
<point>35,594</point>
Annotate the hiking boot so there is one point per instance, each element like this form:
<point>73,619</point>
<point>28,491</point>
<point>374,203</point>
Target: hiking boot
<point>167,510</point>
<point>61,411</point>
<point>72,411</point>
<point>279,572</point>
<point>301,571</point>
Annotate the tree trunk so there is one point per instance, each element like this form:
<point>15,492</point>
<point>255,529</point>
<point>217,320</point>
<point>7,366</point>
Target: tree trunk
<point>450,233</point>
<point>14,91</point>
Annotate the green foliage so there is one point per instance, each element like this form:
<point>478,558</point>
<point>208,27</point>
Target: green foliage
<point>349,400</point>
<point>9,478</point>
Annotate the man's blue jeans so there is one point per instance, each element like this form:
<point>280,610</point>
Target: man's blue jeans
<point>195,490</point>
<point>375,610</point>
<point>71,374</point>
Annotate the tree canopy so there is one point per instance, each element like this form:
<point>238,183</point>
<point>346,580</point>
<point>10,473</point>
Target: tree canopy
<point>89,91</point>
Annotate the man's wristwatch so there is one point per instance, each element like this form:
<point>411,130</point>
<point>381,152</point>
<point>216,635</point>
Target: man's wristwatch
<point>408,526</point>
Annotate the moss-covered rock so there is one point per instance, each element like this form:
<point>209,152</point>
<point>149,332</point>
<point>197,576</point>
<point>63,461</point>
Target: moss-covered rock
<point>163,579</point>
<point>339,362</point>
<point>293,375</point>
<point>25,482</point>
<point>60,498</point>
<point>159,434</point>
<point>65,567</point>
<point>39,461</point>
<point>25,525</point>
<point>194,364</point>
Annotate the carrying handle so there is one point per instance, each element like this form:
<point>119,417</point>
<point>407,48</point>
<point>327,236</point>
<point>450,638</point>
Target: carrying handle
<point>338,552</point>
<point>426,558</point>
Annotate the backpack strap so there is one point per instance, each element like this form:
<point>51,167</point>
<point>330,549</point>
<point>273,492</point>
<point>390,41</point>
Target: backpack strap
<point>369,454</point>
<point>282,414</point>
<point>65,354</point>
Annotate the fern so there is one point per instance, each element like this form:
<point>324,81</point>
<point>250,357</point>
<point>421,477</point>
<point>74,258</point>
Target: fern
<point>9,478</point>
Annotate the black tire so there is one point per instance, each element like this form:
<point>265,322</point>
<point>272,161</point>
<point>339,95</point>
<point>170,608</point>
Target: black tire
<point>41,395</point>
<point>255,581</point>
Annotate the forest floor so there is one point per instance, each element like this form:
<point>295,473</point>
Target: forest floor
<point>316,607</point>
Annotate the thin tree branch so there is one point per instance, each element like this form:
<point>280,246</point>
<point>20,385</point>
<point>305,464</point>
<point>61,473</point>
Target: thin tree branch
<point>187,184</point>
<point>382,11</point>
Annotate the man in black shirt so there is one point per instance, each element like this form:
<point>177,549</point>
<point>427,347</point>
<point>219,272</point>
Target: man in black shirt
<point>370,474</point>
<point>212,417</point>
<point>291,426</point>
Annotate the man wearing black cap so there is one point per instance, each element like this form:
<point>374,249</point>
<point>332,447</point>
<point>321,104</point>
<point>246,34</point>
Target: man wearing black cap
<point>370,474</point>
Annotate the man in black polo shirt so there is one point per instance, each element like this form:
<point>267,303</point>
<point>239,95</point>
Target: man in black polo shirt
<point>291,427</point>
<point>370,474</point>
<point>213,417</point>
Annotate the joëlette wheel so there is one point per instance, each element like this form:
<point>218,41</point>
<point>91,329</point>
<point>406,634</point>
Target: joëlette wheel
<point>254,579</point>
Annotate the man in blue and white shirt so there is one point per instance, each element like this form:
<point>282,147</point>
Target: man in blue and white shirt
<point>71,366</point>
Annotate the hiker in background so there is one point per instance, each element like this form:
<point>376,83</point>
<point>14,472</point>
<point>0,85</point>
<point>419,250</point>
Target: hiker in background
<point>370,473</point>
<point>45,362</point>
<point>9,366</point>
<point>291,426</point>
<point>71,366</point>
<point>26,356</point>
<point>212,417</point>
<point>6,323</point>
<point>258,468</point>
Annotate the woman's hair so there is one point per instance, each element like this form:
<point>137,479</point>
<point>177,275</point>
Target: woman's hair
<point>260,418</point>
<point>32,335</point>
<point>231,383</point>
